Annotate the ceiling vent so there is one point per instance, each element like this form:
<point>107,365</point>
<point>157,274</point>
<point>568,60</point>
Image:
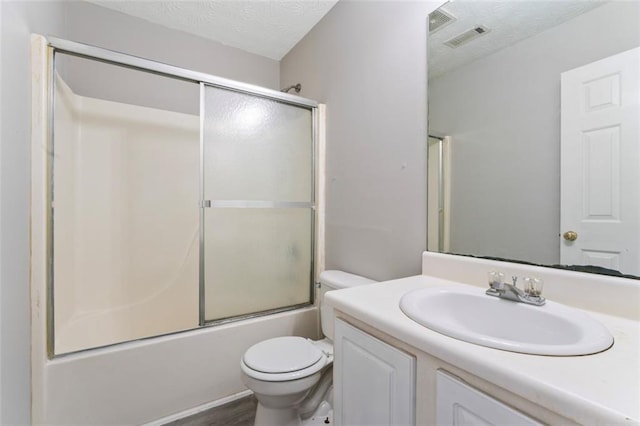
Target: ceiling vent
<point>439,19</point>
<point>467,36</point>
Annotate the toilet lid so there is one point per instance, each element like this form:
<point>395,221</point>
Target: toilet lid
<point>282,355</point>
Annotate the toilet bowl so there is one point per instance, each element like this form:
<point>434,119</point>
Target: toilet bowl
<point>291,377</point>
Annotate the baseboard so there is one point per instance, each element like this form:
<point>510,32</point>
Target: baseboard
<point>199,409</point>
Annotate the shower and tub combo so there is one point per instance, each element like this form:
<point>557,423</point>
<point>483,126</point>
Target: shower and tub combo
<point>161,188</point>
<point>166,202</point>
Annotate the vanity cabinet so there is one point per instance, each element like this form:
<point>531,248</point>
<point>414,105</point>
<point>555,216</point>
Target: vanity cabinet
<point>374,383</point>
<point>380,381</point>
<point>458,404</point>
<point>493,386</point>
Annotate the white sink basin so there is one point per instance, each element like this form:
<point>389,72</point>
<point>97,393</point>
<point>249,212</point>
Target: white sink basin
<point>466,313</point>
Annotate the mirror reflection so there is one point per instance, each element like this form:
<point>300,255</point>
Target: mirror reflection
<point>535,106</point>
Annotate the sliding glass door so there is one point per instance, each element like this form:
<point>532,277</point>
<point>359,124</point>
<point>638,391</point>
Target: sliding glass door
<point>257,204</point>
<point>175,200</point>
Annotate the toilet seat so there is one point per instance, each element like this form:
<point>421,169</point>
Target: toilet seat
<point>283,358</point>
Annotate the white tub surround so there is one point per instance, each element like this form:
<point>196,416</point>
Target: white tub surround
<point>603,388</point>
<point>117,275</point>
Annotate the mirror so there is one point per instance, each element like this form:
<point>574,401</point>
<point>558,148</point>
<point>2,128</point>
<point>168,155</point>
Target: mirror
<point>495,104</point>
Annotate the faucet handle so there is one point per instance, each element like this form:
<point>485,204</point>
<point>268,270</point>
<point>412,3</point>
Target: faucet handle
<point>533,287</point>
<point>514,278</point>
<point>496,280</point>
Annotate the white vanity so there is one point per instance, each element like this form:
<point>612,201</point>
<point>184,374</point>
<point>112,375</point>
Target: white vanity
<point>390,370</point>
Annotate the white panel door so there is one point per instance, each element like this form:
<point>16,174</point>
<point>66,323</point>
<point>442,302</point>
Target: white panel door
<point>458,404</point>
<point>600,157</point>
<point>374,383</point>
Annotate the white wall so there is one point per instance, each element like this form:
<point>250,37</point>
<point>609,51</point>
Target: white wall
<point>18,19</point>
<point>113,30</point>
<point>91,24</point>
<point>503,112</point>
<point>367,62</point>
<point>84,23</point>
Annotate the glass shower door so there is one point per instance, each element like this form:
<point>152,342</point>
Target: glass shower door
<point>257,209</point>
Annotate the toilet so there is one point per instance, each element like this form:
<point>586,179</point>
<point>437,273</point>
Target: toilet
<point>291,377</point>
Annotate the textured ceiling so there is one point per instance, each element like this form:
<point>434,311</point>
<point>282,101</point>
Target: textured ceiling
<point>265,27</point>
<point>508,21</point>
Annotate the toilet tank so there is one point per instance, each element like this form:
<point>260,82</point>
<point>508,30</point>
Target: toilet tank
<point>335,280</point>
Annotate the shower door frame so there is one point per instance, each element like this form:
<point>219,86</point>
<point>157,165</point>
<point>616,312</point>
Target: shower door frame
<point>58,45</point>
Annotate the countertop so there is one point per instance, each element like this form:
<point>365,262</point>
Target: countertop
<point>602,388</point>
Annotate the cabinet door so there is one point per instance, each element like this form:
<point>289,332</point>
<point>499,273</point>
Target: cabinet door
<point>461,405</point>
<point>374,382</point>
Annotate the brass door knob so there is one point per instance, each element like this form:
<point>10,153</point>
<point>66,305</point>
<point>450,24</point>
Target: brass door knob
<point>570,235</point>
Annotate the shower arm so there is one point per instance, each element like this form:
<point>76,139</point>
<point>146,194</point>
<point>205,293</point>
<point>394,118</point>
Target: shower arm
<point>297,88</point>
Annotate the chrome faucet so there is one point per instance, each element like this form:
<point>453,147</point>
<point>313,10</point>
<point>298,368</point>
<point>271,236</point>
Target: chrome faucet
<point>530,295</point>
